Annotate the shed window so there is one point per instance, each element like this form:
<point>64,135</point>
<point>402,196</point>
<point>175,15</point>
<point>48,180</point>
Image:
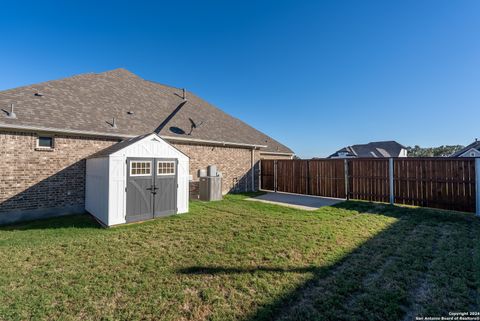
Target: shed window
<point>165,168</point>
<point>140,168</point>
<point>45,142</point>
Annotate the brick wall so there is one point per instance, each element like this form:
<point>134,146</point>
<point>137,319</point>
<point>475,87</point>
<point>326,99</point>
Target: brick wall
<point>32,179</point>
<point>234,163</point>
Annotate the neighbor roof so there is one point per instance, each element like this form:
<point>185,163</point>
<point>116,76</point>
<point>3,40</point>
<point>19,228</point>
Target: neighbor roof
<point>374,149</point>
<point>88,102</point>
<point>474,145</point>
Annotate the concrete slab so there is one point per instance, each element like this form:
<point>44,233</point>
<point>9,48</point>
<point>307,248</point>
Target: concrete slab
<point>303,202</point>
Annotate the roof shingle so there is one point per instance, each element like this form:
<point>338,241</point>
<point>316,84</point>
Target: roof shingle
<point>373,149</point>
<point>89,102</point>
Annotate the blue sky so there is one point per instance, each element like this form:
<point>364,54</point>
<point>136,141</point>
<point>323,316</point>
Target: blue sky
<point>316,75</point>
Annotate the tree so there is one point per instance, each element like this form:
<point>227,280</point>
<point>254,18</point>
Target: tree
<point>440,151</point>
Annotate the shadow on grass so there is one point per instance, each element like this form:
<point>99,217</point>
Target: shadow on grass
<point>376,281</point>
<point>62,222</point>
<point>246,194</point>
<point>199,270</point>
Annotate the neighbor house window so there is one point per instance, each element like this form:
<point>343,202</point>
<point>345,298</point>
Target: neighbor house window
<point>165,168</point>
<point>140,168</point>
<point>45,142</point>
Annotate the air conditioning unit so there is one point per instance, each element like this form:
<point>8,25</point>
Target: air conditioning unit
<point>210,188</point>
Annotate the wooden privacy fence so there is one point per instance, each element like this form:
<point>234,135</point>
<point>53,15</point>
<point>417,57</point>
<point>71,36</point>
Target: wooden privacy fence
<point>446,183</point>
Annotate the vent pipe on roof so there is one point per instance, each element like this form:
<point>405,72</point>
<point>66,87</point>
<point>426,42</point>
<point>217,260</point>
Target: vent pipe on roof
<point>184,94</point>
<point>11,114</point>
<point>114,124</point>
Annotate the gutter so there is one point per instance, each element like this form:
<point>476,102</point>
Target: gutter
<point>277,153</point>
<point>103,134</point>
<point>204,141</point>
<point>65,131</point>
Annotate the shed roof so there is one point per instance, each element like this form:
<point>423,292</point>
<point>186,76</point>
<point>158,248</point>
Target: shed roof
<point>87,103</point>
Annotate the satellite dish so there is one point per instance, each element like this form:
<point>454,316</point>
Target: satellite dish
<point>193,125</point>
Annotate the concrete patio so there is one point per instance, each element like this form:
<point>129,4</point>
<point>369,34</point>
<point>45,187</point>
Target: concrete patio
<point>303,202</point>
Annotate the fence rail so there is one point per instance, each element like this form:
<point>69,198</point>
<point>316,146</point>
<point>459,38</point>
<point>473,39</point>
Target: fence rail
<point>446,183</point>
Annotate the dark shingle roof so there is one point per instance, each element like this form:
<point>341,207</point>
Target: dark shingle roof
<point>88,102</point>
<point>373,149</point>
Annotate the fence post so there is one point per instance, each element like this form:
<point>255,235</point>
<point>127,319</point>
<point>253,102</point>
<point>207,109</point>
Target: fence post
<point>345,166</point>
<point>260,174</point>
<point>308,177</point>
<point>390,179</point>
<point>477,185</point>
<point>275,176</point>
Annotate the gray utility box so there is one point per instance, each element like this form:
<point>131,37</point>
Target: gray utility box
<point>210,188</point>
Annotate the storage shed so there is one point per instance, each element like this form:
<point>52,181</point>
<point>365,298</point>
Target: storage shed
<point>135,180</point>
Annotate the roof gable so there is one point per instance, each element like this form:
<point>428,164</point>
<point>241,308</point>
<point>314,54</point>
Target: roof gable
<point>475,145</point>
<point>471,152</point>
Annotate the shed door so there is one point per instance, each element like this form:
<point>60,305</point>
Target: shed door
<point>165,197</point>
<point>151,188</point>
<point>140,184</point>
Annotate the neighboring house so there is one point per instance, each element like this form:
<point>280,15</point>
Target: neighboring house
<point>472,150</point>
<point>47,131</point>
<point>373,149</point>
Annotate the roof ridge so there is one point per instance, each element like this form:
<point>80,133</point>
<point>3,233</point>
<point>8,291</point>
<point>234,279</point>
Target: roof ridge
<point>164,85</point>
<point>119,72</point>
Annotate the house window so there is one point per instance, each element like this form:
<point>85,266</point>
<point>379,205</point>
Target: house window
<point>45,142</point>
<point>140,168</point>
<point>472,154</point>
<point>165,168</point>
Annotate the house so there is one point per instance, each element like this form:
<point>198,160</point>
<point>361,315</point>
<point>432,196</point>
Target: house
<point>472,150</point>
<point>373,149</point>
<point>48,130</point>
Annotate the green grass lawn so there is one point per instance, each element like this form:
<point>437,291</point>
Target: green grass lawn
<point>241,260</point>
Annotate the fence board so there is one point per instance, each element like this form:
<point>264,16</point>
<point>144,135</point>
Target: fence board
<point>368,179</point>
<point>267,175</point>
<point>327,178</point>
<point>446,183</point>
